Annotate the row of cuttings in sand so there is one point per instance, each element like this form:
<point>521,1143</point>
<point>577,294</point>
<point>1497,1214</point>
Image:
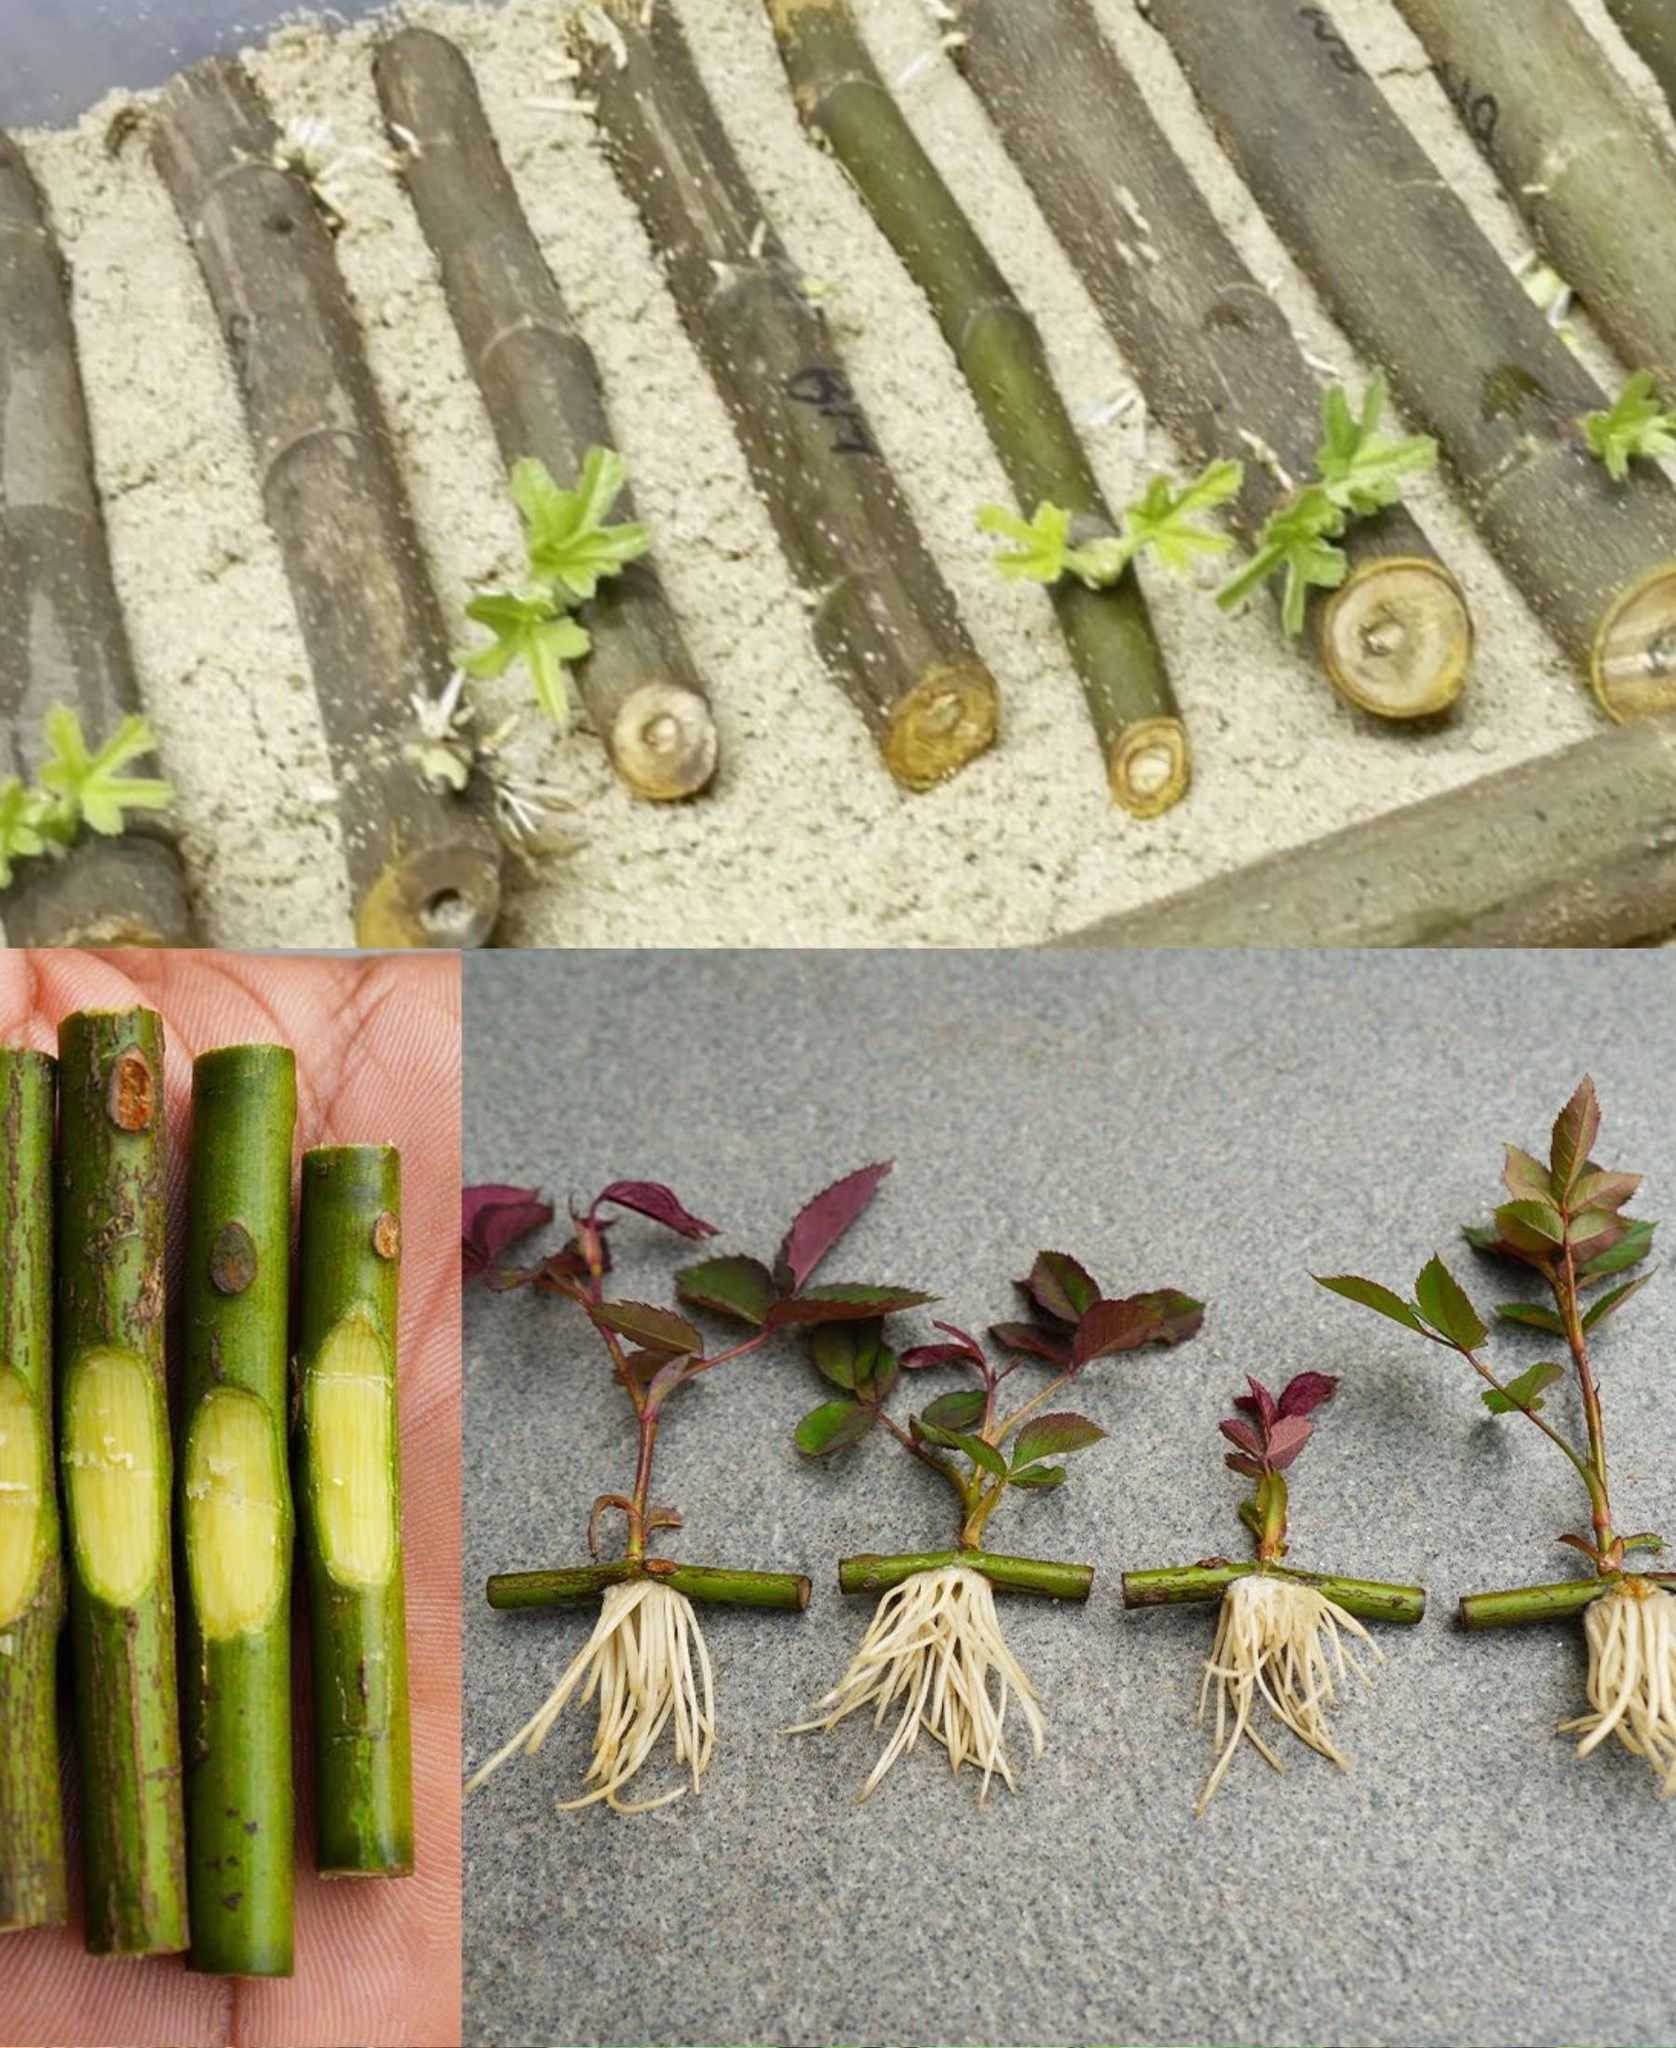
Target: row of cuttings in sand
<point>1563,479</point>
<point>934,1658</point>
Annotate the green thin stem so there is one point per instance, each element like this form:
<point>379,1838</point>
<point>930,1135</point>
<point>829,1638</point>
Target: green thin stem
<point>871,1573</point>
<point>716,1585</point>
<point>1367,1599</point>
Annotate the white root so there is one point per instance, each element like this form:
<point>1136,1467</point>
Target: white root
<point>1283,1641</point>
<point>1631,1634</point>
<point>640,1661</point>
<point>932,1645</point>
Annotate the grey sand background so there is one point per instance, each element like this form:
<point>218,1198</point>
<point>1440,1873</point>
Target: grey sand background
<point>1223,1123</point>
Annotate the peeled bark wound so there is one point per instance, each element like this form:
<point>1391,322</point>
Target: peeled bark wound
<point>114,1457</point>
<point>843,99</point>
<point>542,389</point>
<point>1578,849</point>
<point>348,1493</point>
<point>32,1880</point>
<point>236,1511</point>
<point>1594,178</point>
<point>882,617</point>
<point>1210,348</point>
<point>62,637</point>
<point>425,868</point>
<point>1414,281</point>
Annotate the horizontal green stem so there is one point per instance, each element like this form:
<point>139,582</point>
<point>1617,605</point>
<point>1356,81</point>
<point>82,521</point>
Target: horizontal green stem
<point>1367,1599</point>
<point>720,1587</point>
<point>870,1573</point>
<point>1521,1604</point>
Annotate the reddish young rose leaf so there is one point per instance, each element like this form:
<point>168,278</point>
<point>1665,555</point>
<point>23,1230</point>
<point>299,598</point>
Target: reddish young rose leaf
<point>1531,1226</point>
<point>961,1336</point>
<point>651,1328</point>
<point>1259,1402</point>
<point>1113,1326</point>
<point>1527,1179</point>
<point>919,1357</point>
<point>1600,1190</point>
<point>958,1410</point>
<point>821,1222</point>
<point>1238,1461</point>
<point>833,1426</point>
<point>644,1366</point>
<point>1306,1391</point>
<point>1591,1231</point>
<point>1032,1339</point>
<point>1575,1130</point>
<point>733,1286</point>
<point>843,1303</point>
<point>1060,1287</point>
<point>1286,1440</point>
<point>651,1198</point>
<point>492,1217</point>
<point>1053,1436</point>
<point>1247,1435</point>
<point>1630,1250</point>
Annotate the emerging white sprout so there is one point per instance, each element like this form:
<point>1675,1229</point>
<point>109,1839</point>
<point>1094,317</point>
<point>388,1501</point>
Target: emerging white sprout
<point>933,1643</point>
<point>647,1662</point>
<point>1283,1640</point>
<point>1631,1634</point>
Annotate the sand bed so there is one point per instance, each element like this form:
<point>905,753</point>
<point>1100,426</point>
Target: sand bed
<point>804,839</point>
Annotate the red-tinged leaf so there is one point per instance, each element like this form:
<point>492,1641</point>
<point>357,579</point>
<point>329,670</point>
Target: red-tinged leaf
<point>1246,1435</point>
<point>646,1365</point>
<point>1238,1461</point>
<point>843,1303</point>
<point>1306,1391</point>
<point>651,1198</point>
<point>832,1426</point>
<point>734,1286</point>
<point>1599,1190</point>
<point>1527,1179</point>
<point>1443,1302</point>
<point>1247,1406</point>
<point>918,1357</point>
<point>1369,1294</point>
<point>1034,1341</point>
<point>839,1350</point>
<point>1113,1326</point>
<point>1531,1226</point>
<point>961,1336</point>
<point>492,1217</point>
<point>820,1223</point>
<point>1286,1440</point>
<point>502,1279</point>
<point>1060,1288</point>
<point>1609,1304</point>
<point>1262,1400</point>
<point>1630,1250</point>
<point>1594,1230</point>
<point>958,1410</point>
<point>1054,1436</point>
<point>1575,1130</point>
<point>652,1329</point>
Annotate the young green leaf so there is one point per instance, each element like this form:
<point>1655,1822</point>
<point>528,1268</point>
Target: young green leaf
<point>1609,1304</point>
<point>1041,550</point>
<point>1037,1475</point>
<point>23,819</point>
<point>1370,1294</point>
<point>1054,1436</point>
<point>88,788</point>
<point>1635,1245</point>
<point>1527,1179</point>
<point>844,1302</point>
<point>1298,542</point>
<point>1532,1315</point>
<point>958,1410</point>
<point>532,629</point>
<point>1361,470</point>
<point>983,1455</point>
<point>568,541</point>
<point>1523,1393</point>
<point>1443,1302</point>
<point>1164,519</point>
<point>832,1426</point>
<point>733,1286</point>
<point>1636,427</point>
<point>1060,1287</point>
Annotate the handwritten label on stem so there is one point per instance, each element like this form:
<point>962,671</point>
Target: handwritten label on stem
<point>1339,52</point>
<point>828,390</point>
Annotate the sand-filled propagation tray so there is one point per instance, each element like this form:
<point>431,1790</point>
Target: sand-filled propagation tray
<point>803,835</point>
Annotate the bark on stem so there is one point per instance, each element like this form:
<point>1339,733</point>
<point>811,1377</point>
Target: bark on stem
<point>115,1460</point>
<point>1650,29</point>
<point>62,637</point>
<point>1522,1604</point>
<point>1211,349</point>
<point>719,1586</point>
<point>1418,286</point>
<point>348,1491</point>
<point>545,399</point>
<point>1593,177</point>
<point>1578,849</point>
<point>32,1882</point>
<point>1109,633</point>
<point>1367,1599</point>
<point>425,868</point>
<point>882,617</point>
<point>870,1573</point>
<point>235,1511</point>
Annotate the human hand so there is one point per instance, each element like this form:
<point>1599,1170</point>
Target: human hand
<point>377,1044</point>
